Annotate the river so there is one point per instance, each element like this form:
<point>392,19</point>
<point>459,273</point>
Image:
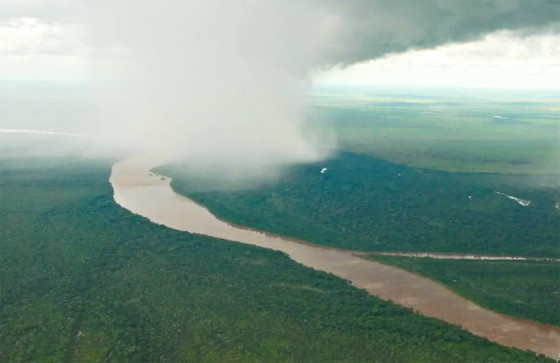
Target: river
<point>147,194</point>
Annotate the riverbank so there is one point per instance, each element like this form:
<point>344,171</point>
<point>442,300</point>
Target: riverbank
<point>84,280</point>
<point>150,195</point>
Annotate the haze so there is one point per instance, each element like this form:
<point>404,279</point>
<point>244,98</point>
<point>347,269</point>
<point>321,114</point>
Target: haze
<point>224,84</point>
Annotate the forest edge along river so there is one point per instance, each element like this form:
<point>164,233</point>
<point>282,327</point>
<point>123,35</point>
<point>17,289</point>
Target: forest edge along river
<point>142,192</point>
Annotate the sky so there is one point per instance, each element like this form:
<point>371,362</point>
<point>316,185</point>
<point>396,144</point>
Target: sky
<point>499,60</point>
<point>34,50</point>
<point>36,44</point>
<point>224,83</point>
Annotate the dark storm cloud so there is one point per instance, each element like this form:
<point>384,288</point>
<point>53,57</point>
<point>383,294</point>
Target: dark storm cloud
<point>348,31</point>
<point>367,29</point>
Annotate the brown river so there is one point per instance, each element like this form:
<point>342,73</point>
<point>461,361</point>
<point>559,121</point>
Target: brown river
<point>149,195</point>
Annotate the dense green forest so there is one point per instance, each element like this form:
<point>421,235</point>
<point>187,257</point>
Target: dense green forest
<point>84,280</point>
<point>369,204</point>
<point>527,289</point>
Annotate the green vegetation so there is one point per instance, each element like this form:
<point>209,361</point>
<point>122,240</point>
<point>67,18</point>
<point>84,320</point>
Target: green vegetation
<point>527,289</point>
<point>83,280</point>
<point>452,130</point>
<point>368,204</point>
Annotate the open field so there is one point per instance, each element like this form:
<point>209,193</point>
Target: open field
<point>526,289</point>
<point>453,130</point>
<point>84,280</point>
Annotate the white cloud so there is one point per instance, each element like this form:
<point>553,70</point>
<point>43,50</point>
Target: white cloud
<point>502,59</point>
<point>34,50</point>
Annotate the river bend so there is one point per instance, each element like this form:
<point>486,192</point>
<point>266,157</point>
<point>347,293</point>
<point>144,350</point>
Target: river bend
<point>144,193</point>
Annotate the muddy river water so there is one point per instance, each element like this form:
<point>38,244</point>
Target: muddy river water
<point>151,196</point>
